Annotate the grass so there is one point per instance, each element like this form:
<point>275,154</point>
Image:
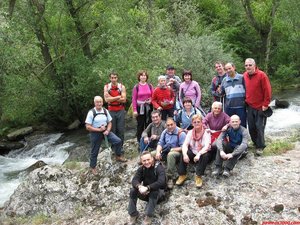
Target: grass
<point>38,219</point>
<point>277,147</point>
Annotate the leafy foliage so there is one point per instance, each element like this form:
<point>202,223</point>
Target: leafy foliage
<point>56,55</point>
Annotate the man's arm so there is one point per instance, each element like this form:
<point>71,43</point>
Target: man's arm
<point>108,97</point>
<point>160,183</point>
<point>137,179</point>
<point>123,95</point>
<point>244,145</point>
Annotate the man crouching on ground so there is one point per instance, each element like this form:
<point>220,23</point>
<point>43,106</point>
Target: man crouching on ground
<point>232,144</point>
<point>147,183</point>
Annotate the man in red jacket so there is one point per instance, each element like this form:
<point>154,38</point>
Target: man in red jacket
<point>258,97</point>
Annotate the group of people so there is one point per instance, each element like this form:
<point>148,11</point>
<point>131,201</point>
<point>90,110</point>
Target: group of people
<point>172,127</point>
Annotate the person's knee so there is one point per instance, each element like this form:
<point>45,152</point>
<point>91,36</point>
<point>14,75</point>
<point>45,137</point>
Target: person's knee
<point>133,193</point>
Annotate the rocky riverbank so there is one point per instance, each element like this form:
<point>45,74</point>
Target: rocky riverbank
<point>260,189</point>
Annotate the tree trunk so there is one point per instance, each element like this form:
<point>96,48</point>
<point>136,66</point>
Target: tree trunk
<point>265,32</point>
<point>38,11</point>
<point>83,36</point>
<point>275,5</point>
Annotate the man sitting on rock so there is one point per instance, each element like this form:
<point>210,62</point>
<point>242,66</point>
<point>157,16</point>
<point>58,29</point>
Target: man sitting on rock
<point>231,145</point>
<point>169,148</point>
<point>148,184</point>
<point>151,134</point>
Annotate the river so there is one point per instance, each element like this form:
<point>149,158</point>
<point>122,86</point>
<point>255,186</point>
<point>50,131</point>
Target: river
<point>53,149</point>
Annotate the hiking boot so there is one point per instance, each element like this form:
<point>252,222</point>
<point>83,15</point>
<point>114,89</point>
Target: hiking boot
<point>170,184</point>
<point>181,180</point>
<point>121,159</point>
<point>217,171</point>
<point>259,151</point>
<point>198,181</point>
<point>147,220</point>
<point>94,171</point>
<point>226,173</point>
<point>133,219</point>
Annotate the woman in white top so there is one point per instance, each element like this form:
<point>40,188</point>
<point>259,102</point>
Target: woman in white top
<point>195,149</point>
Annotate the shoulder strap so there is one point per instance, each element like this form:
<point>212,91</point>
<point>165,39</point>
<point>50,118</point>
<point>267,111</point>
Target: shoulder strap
<point>178,135</point>
<point>96,114</point>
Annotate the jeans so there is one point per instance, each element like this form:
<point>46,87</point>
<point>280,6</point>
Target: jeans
<point>96,140</point>
<point>152,145</point>
<point>241,112</point>
<point>151,199</point>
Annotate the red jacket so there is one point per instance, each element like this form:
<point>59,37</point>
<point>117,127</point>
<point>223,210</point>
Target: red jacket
<point>162,95</point>
<point>258,89</point>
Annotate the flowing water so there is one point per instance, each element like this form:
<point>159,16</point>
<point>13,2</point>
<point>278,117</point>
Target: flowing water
<point>13,165</point>
<point>46,147</point>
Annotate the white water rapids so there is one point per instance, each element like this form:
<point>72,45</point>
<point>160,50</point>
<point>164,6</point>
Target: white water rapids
<point>12,164</point>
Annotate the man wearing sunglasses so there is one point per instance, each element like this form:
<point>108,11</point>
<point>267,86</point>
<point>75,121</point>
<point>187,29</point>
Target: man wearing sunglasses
<point>258,98</point>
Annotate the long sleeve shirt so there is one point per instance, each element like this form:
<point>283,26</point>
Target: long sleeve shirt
<point>238,140</point>
<point>234,88</point>
<point>163,95</point>
<point>141,93</point>
<point>153,177</point>
<point>258,89</point>
<point>153,129</point>
<point>192,90</point>
<point>216,122</point>
<point>190,143</point>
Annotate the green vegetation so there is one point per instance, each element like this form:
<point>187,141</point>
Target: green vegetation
<point>279,146</point>
<point>56,55</point>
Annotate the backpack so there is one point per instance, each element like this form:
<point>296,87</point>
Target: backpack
<point>96,114</point>
<point>109,88</point>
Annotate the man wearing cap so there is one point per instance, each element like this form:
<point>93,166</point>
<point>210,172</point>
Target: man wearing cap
<point>173,82</point>
<point>258,97</point>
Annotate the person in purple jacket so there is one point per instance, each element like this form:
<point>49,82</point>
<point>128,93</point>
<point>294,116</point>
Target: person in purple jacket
<point>189,88</point>
<point>215,122</point>
<point>141,102</point>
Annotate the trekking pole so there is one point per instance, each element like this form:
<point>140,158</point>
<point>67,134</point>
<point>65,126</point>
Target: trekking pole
<point>108,155</point>
<point>147,145</point>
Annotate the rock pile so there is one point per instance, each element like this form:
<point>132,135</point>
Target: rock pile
<point>260,189</point>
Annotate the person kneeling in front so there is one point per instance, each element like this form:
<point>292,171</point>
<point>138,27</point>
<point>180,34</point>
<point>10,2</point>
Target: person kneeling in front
<point>147,185</point>
<point>232,144</point>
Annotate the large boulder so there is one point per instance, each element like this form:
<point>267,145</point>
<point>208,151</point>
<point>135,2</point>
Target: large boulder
<point>6,146</point>
<point>260,189</point>
<point>74,125</point>
<point>19,134</point>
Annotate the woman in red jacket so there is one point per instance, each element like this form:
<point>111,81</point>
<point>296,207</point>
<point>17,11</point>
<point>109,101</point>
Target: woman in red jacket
<point>163,98</point>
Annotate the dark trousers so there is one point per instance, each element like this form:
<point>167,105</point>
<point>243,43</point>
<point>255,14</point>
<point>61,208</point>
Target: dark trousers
<point>118,124</point>
<point>230,163</point>
<point>151,199</point>
<point>256,126</point>
<point>165,113</point>
<point>200,165</point>
<point>142,122</point>
<point>96,140</point>
<point>241,112</point>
